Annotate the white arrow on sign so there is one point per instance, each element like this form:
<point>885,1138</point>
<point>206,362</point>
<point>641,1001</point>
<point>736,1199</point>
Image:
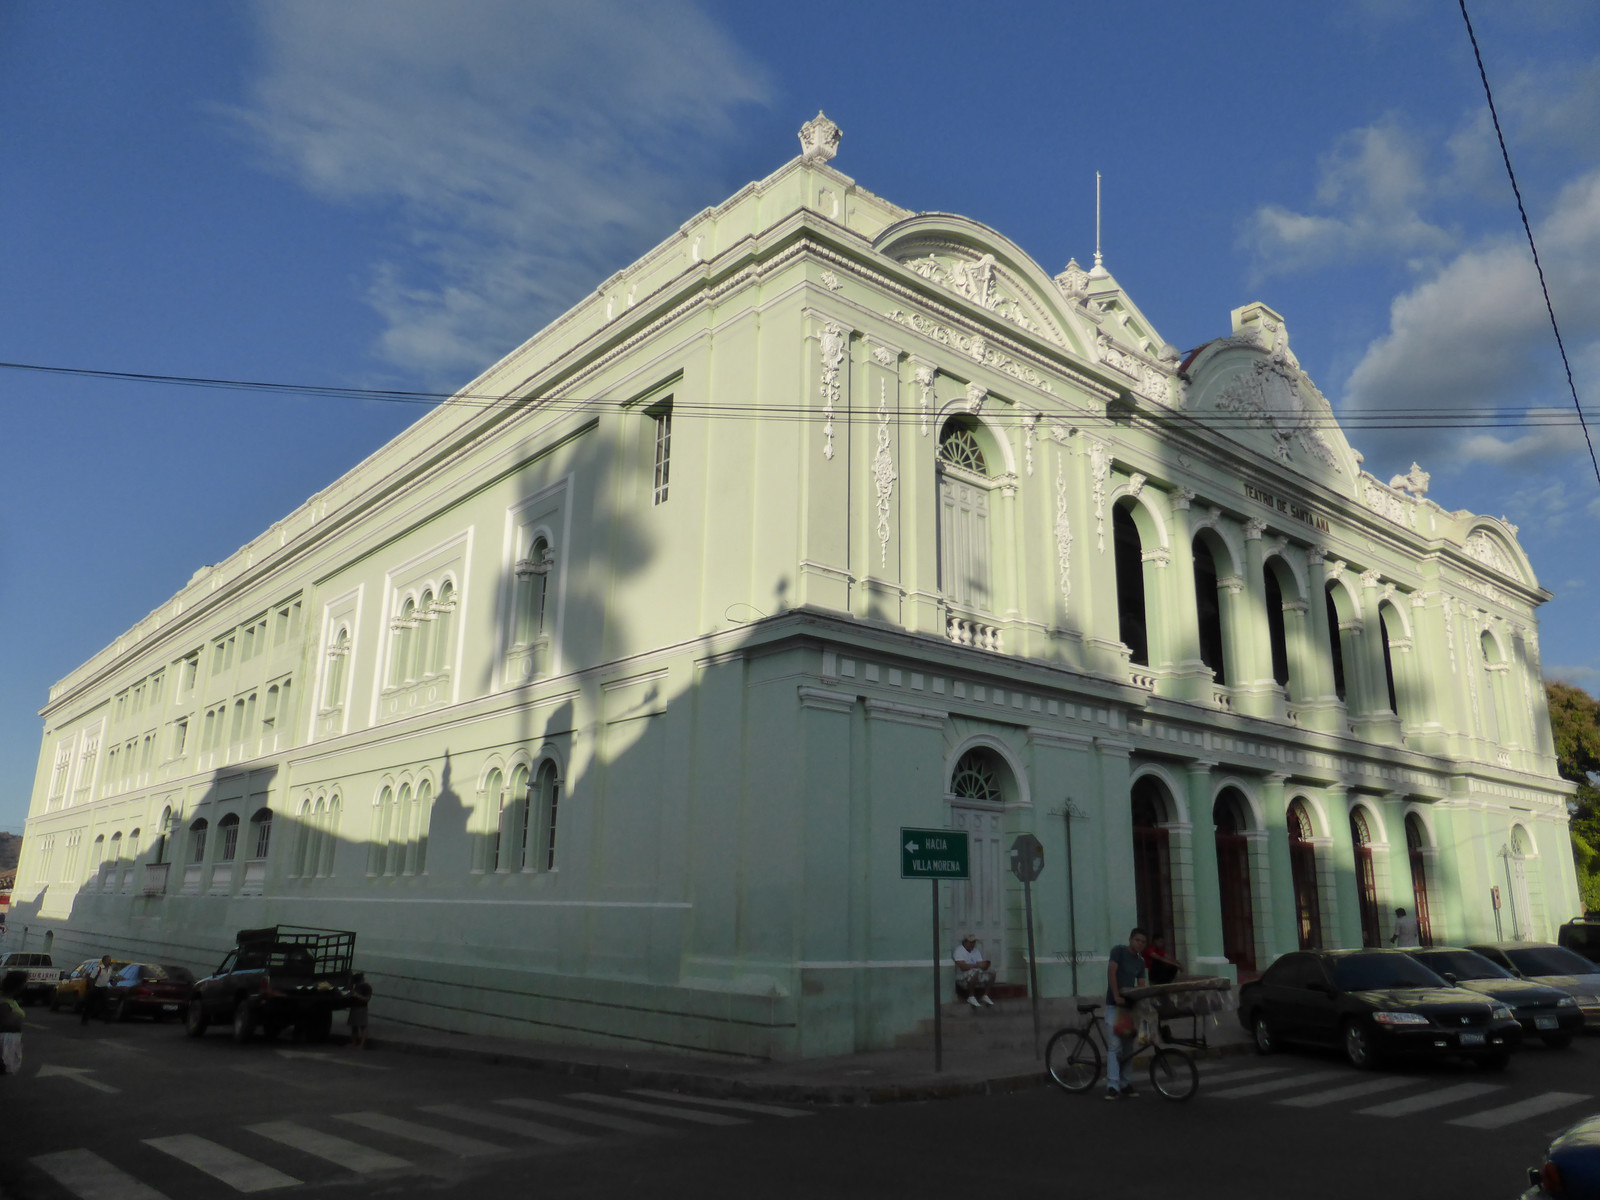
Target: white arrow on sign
<point>77,1075</point>
<point>912,847</point>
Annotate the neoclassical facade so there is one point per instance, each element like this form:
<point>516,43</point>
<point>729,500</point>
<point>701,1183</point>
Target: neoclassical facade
<point>596,700</point>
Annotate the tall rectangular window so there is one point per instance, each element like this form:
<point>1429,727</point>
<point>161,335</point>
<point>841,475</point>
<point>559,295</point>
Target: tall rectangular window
<point>661,414</point>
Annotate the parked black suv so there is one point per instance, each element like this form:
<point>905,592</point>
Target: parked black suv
<point>1582,935</point>
<point>276,978</point>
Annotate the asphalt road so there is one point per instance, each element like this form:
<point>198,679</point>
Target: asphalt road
<point>139,1112</point>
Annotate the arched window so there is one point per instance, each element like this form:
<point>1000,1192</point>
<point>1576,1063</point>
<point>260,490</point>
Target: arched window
<point>1388,662</point>
<point>197,840</point>
<point>382,815</point>
<point>1336,644</point>
<point>1131,626</point>
<point>494,803</point>
<point>547,797</point>
<point>305,841</point>
<point>133,846</point>
<point>443,627</point>
<point>533,590</point>
<point>1366,878</point>
<point>1416,845</point>
<point>1497,726</point>
<point>260,833</point>
<point>427,622</point>
<point>422,816</point>
<point>1303,870</point>
<point>397,833</point>
<point>515,818</point>
<point>330,836</point>
<point>1276,633</point>
<point>163,837</point>
<point>964,541</point>
<point>1152,858</point>
<point>405,634</point>
<point>1523,918</point>
<point>1230,815</point>
<point>228,828</point>
<point>1208,606</point>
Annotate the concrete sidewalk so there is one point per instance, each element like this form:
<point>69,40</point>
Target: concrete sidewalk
<point>972,1063</point>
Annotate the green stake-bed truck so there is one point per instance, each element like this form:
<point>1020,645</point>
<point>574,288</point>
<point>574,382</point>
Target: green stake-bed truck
<point>281,977</point>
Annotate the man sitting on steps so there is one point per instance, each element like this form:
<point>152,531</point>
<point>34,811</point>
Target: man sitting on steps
<point>973,975</point>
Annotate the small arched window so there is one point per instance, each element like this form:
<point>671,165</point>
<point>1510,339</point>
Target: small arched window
<point>443,628</point>
<point>964,538</point>
<point>546,799</point>
<point>197,840</point>
<point>338,666</point>
<point>260,833</point>
<point>494,803</point>
<point>228,827</point>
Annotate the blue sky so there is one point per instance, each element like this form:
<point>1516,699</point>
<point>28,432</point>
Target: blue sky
<point>393,194</point>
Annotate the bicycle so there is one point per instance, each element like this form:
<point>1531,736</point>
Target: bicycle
<point>1074,1058</point>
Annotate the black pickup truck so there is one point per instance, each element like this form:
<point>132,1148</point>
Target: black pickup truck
<point>281,977</point>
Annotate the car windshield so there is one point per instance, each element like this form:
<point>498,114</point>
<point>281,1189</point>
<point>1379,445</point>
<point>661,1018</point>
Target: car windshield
<point>1548,960</point>
<point>1463,964</point>
<point>1359,972</point>
<point>168,971</point>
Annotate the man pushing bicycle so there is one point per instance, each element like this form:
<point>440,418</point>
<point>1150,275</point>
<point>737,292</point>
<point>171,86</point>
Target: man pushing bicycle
<point>1124,969</point>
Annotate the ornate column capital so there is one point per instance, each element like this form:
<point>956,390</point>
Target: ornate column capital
<point>1182,499</point>
<point>1254,528</point>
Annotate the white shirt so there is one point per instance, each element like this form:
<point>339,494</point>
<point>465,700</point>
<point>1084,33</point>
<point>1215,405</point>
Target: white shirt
<point>968,960</point>
<point>1405,931</point>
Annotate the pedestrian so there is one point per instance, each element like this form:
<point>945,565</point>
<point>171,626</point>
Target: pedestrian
<point>973,973</point>
<point>11,1022</point>
<point>97,989</point>
<point>1124,969</point>
<point>1405,932</point>
<point>360,1001</point>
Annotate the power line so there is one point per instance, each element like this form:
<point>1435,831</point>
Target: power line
<point>1528,229</point>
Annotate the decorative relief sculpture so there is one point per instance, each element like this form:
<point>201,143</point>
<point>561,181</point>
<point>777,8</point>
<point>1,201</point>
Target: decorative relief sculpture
<point>1414,481</point>
<point>976,395</point>
<point>883,472</point>
<point>1029,422</point>
<point>1317,555</point>
<point>1182,499</point>
<point>1074,282</point>
<point>1234,584</point>
<point>1370,578</point>
<point>924,377</point>
<point>1337,570</point>
<point>1254,528</point>
<point>819,139</point>
<point>884,356</point>
<point>1136,484</point>
<point>1487,551</point>
<point>831,281</point>
<point>832,341</point>
<point>1161,556</point>
<point>974,346</point>
<point>1063,537</point>
<point>974,280</point>
<point>1100,467</point>
<point>1277,396</point>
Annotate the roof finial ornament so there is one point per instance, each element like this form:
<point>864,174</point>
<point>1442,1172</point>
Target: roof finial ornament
<point>819,139</point>
<point>1098,271</point>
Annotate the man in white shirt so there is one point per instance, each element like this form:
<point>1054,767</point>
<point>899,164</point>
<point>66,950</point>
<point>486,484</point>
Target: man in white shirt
<point>1406,933</point>
<point>97,988</point>
<point>973,975</point>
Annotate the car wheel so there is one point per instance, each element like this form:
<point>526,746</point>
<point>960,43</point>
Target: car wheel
<point>1358,1047</point>
<point>1265,1042</point>
<point>1556,1041</point>
<point>195,1021</point>
<point>244,1022</point>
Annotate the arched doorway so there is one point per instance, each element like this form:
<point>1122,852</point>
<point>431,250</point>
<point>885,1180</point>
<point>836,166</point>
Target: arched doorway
<point>1129,557</point>
<point>1522,915</point>
<point>1366,878</point>
<point>1416,843</point>
<point>1230,815</point>
<point>978,787</point>
<point>1152,859</point>
<point>1303,871</point>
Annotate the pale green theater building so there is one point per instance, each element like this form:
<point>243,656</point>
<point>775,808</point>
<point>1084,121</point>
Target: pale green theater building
<point>596,700</point>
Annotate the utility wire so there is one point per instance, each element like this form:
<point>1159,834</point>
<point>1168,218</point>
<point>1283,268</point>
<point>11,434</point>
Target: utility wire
<point>1528,228</point>
<point>1214,421</point>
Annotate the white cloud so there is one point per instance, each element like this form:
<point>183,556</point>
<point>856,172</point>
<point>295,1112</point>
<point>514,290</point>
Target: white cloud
<point>520,149</point>
<point>1369,189</point>
<point>1476,336</point>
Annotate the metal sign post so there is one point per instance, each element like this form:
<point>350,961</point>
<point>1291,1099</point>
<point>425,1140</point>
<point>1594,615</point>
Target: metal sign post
<point>934,854</point>
<point>1027,860</point>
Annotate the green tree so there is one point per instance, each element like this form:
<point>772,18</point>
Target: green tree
<point>1575,724</point>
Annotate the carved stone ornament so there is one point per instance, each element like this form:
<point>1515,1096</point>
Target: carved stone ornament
<point>1337,570</point>
<point>883,474</point>
<point>1402,510</point>
<point>1370,579</point>
<point>924,377</point>
<point>976,395</point>
<point>831,281</point>
<point>1234,584</point>
<point>1161,556</point>
<point>832,343</point>
<point>819,139</point>
<point>1316,555</point>
<point>1277,396</point>
<point>1063,537</point>
<point>1030,422</point>
<point>1100,467</point>
<point>1074,282</point>
<point>1136,484</point>
<point>1182,499</point>
<point>1414,481</point>
<point>975,347</point>
<point>1488,552</point>
<point>1254,528</point>
<point>974,280</point>
<point>884,356</point>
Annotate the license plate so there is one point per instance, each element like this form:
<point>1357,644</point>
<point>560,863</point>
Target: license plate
<point>169,1008</point>
<point>1544,1022</point>
<point>1472,1039</point>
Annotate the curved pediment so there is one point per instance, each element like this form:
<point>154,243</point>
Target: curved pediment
<point>1250,389</point>
<point>1488,543</point>
<point>989,270</point>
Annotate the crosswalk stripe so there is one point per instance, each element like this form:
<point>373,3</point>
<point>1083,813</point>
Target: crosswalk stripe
<point>771,1110</point>
<point>1277,1085</point>
<point>341,1151</point>
<point>1508,1114</point>
<point>622,1124</point>
<point>1354,1091</point>
<point>493,1120</point>
<point>84,1173</point>
<point>660,1110</point>
<point>1434,1099</point>
<point>238,1172</point>
<point>1229,1077</point>
<point>439,1139</point>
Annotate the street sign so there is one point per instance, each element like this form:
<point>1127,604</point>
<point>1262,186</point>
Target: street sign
<point>1027,858</point>
<point>933,854</point>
